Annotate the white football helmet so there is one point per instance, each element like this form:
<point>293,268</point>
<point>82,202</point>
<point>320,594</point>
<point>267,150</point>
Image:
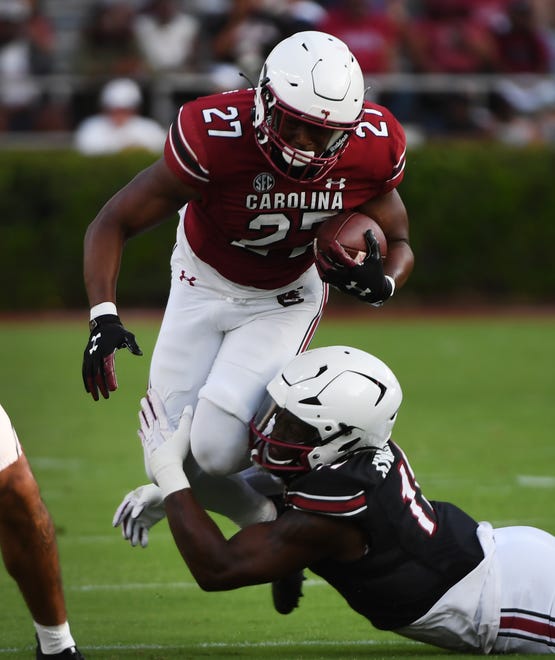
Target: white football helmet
<point>348,397</point>
<point>313,77</point>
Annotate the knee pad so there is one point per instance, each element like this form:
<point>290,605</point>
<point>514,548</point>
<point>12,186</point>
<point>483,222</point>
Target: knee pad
<point>219,440</point>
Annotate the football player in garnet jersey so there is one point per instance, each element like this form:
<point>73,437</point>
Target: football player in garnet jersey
<point>357,517</point>
<point>252,174</point>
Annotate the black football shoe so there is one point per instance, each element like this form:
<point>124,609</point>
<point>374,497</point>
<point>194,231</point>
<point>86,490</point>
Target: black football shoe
<point>71,653</point>
<point>287,591</point>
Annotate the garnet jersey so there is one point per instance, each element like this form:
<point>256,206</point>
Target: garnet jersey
<point>416,550</point>
<point>253,225</point>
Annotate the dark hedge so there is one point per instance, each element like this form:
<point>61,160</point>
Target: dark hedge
<point>482,227</point>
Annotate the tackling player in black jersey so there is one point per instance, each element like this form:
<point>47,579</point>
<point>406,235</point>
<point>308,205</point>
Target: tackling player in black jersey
<point>357,517</point>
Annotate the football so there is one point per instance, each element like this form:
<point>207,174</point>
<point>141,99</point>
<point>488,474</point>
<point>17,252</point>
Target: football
<point>348,229</point>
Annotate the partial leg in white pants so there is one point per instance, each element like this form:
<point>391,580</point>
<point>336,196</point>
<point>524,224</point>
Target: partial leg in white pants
<point>526,557</point>
<point>229,496</point>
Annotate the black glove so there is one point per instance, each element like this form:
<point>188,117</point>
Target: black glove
<point>366,281</point>
<point>107,335</point>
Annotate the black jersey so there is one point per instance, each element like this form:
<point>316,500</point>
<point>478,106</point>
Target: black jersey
<point>416,549</point>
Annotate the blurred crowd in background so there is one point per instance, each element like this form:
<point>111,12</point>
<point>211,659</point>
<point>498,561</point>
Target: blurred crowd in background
<point>464,69</point>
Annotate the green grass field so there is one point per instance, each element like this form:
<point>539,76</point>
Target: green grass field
<point>477,424</point>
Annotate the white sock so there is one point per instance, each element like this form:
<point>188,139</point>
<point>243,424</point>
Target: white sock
<point>54,639</point>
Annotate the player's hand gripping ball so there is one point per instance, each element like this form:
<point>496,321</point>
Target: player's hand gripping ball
<point>349,250</point>
<point>348,229</point>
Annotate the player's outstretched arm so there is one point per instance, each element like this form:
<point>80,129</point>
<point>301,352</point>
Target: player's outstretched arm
<point>153,196</point>
<point>257,554</point>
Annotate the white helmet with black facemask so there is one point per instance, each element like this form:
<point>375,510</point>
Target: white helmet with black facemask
<point>314,78</point>
<point>324,405</point>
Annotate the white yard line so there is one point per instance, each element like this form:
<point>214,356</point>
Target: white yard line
<point>235,645</point>
<point>137,586</point>
<point>535,481</point>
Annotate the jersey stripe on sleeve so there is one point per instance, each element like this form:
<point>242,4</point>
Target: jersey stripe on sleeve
<point>343,505</point>
<point>399,167</point>
<point>183,153</point>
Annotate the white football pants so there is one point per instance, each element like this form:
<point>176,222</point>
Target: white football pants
<point>219,345</point>
<point>505,605</point>
<point>526,558</point>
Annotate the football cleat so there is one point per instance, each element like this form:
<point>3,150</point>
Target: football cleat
<point>287,591</point>
<point>71,653</point>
